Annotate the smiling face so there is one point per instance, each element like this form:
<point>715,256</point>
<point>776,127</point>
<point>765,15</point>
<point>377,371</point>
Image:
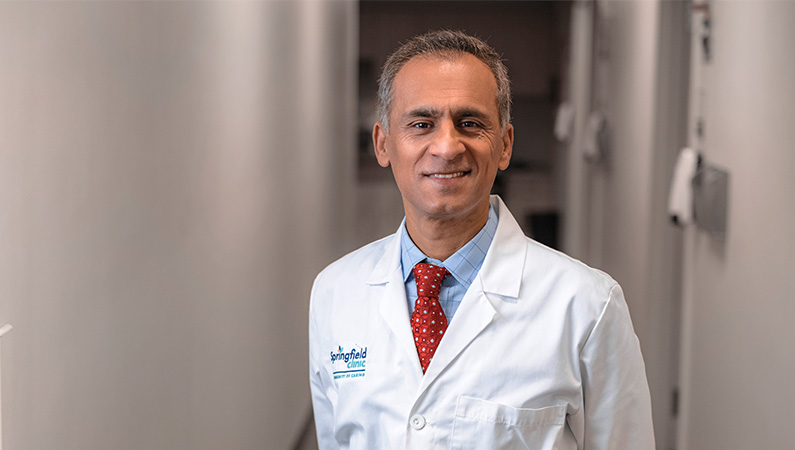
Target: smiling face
<point>445,142</point>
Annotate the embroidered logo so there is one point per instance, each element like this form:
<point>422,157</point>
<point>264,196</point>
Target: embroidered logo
<point>350,364</point>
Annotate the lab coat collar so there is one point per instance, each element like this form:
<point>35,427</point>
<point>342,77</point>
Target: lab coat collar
<point>507,250</point>
<point>503,267</point>
<point>390,260</point>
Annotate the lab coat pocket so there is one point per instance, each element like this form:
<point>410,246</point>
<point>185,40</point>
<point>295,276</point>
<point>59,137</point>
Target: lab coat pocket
<point>484,424</point>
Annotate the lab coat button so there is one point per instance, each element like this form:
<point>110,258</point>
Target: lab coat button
<point>417,422</point>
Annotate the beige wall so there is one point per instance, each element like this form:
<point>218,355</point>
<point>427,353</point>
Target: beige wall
<point>738,296</point>
<point>172,176</point>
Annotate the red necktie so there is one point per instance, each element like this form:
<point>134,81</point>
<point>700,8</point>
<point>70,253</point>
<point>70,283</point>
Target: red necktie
<point>428,321</point>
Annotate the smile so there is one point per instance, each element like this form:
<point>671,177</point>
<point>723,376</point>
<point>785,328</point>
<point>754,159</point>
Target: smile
<point>448,175</point>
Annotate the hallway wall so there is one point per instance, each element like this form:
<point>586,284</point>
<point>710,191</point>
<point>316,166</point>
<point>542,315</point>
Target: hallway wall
<point>735,292</point>
<point>738,301</point>
<point>172,177</point>
<point>616,216</point>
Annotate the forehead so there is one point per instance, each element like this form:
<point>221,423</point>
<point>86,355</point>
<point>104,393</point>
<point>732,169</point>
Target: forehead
<point>457,80</point>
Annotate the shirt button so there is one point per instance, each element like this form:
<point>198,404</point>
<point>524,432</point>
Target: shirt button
<point>417,422</point>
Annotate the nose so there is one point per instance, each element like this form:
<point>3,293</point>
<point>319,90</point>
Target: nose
<point>447,141</point>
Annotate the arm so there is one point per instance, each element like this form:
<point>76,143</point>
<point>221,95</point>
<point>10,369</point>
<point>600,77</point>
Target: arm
<point>617,405</point>
<point>320,386</point>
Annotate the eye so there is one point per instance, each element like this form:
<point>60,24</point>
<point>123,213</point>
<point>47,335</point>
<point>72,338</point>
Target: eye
<point>469,124</point>
<point>421,125</point>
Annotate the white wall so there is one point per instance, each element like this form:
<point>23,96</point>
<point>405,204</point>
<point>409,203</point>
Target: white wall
<point>736,293</point>
<point>615,213</point>
<point>172,176</point>
<point>738,296</point>
<point>578,95</point>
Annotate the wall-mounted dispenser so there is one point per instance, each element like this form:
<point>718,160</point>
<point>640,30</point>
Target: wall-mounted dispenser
<point>564,122</point>
<point>699,193</point>
<point>680,198</point>
<point>595,145</point>
<point>710,199</point>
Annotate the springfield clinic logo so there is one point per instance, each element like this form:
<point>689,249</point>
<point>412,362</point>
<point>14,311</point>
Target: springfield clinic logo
<point>348,364</point>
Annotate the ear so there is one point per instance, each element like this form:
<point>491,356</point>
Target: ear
<point>379,144</point>
<point>507,147</point>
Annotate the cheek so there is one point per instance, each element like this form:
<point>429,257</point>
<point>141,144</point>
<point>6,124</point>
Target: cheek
<point>403,158</point>
<point>402,171</point>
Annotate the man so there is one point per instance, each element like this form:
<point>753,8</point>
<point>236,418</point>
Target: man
<point>492,340</point>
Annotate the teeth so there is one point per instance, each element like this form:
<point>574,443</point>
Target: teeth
<point>448,175</point>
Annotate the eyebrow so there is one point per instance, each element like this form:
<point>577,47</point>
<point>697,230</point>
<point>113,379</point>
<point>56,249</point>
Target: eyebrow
<point>430,112</point>
<point>423,111</point>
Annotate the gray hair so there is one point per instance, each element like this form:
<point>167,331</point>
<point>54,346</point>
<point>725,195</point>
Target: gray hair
<point>444,44</point>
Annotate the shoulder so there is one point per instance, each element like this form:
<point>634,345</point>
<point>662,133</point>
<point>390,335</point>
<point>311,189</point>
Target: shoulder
<point>584,289</point>
<point>343,287</point>
<point>572,270</point>
<point>517,265</point>
<point>564,296</point>
<point>356,265</point>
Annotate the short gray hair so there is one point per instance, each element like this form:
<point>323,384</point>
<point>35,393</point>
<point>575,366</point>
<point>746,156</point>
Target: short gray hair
<point>444,44</point>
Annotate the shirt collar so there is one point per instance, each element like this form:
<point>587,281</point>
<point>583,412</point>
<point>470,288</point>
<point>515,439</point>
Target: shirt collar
<point>463,264</point>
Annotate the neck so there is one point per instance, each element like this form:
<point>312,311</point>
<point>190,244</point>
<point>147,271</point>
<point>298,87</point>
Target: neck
<point>439,238</point>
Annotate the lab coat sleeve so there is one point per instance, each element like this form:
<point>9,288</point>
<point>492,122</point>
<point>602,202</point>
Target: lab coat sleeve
<point>616,400</point>
<point>320,385</point>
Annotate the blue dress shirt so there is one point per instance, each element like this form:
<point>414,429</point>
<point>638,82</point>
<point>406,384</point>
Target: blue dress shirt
<point>463,265</point>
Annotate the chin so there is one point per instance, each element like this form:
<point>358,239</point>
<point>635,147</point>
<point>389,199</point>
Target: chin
<point>451,208</point>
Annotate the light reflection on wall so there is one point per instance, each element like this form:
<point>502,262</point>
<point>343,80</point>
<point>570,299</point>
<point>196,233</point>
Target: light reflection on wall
<point>173,176</point>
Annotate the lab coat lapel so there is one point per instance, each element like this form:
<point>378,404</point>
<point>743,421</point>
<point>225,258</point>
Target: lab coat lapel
<point>500,276</point>
<point>387,282</point>
<point>472,317</point>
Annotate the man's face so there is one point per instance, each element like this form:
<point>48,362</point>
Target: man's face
<point>445,142</point>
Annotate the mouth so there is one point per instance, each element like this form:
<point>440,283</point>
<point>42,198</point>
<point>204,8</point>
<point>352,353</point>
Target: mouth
<point>448,175</point>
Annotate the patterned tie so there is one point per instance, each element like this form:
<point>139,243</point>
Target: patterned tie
<point>428,321</point>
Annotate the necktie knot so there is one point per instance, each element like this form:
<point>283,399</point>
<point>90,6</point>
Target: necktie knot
<point>429,279</point>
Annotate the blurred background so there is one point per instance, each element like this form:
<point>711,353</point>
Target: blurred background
<point>174,174</point>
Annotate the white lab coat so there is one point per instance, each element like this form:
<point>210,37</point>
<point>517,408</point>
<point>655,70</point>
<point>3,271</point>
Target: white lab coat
<point>541,354</point>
